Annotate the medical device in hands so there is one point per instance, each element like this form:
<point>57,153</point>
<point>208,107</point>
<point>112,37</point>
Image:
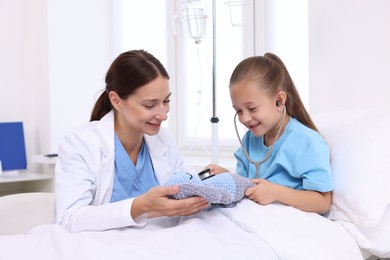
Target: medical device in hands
<point>205,174</point>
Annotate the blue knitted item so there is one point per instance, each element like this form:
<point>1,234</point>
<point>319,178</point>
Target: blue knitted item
<point>221,190</point>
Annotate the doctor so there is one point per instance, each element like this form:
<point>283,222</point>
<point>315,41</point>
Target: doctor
<point>109,171</point>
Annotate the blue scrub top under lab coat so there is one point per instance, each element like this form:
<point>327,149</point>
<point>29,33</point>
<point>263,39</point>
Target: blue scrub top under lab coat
<point>132,180</point>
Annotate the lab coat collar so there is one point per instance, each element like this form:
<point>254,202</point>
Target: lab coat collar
<point>157,146</point>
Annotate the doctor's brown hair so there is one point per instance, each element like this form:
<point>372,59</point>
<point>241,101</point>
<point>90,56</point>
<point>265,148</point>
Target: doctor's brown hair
<point>272,74</point>
<point>129,71</point>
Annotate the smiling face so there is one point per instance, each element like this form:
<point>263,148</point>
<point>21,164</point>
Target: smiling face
<point>256,109</point>
<point>144,110</point>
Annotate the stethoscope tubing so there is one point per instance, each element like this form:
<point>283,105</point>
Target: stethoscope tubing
<point>271,148</point>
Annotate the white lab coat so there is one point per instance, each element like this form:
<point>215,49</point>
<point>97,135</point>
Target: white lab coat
<point>84,176</point>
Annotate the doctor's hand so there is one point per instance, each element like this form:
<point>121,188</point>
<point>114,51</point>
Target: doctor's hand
<point>215,169</point>
<point>156,203</point>
<point>265,192</point>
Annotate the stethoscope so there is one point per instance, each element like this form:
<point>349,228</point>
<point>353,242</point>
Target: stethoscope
<point>271,148</point>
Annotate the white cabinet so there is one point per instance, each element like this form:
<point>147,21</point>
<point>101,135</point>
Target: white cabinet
<point>25,181</point>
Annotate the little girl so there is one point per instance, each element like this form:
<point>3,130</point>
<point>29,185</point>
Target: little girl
<point>297,171</point>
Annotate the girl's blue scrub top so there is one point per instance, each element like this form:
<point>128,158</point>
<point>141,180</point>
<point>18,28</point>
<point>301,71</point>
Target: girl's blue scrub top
<point>300,159</point>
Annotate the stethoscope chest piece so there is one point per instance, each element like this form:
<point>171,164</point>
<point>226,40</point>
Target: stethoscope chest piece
<point>205,174</point>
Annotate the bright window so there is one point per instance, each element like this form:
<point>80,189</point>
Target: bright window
<point>234,41</point>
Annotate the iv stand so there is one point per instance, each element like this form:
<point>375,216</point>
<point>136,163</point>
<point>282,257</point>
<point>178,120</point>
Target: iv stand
<point>214,120</point>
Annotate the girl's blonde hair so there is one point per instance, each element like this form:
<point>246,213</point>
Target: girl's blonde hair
<point>272,74</point>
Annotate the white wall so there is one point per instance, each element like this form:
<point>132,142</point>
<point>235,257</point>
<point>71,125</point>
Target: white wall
<point>24,88</point>
<point>54,56</point>
<point>80,52</point>
<point>349,54</point>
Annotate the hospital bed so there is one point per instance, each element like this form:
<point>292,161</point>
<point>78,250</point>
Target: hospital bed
<point>357,226</point>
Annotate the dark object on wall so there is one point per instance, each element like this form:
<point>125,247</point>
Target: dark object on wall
<point>12,146</point>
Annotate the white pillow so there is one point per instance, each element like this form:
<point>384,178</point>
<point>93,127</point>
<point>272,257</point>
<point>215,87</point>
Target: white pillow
<point>360,160</point>
<point>379,237</point>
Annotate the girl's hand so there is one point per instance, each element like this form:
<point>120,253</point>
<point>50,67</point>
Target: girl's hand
<point>264,192</point>
<point>215,169</point>
<point>156,203</point>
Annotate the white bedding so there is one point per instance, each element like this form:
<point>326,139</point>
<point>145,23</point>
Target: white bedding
<point>247,231</point>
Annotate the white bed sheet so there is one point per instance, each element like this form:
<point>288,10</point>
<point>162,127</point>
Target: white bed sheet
<point>295,234</point>
<point>247,231</point>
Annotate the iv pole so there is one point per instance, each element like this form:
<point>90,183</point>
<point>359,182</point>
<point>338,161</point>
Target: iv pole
<point>197,17</point>
<point>214,120</point>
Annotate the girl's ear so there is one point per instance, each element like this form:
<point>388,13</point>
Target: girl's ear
<point>281,98</point>
<point>115,100</point>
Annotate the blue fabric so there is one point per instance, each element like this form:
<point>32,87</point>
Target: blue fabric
<point>300,160</point>
<point>220,190</point>
<point>132,180</point>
